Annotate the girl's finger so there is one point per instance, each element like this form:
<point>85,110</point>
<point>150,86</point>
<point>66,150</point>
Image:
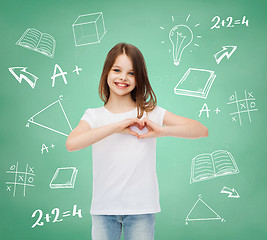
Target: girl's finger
<point>131,132</point>
<point>146,135</point>
<point>138,125</point>
<point>134,121</point>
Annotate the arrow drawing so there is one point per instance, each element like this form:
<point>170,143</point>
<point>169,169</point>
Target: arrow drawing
<point>226,51</point>
<point>232,192</point>
<point>20,73</point>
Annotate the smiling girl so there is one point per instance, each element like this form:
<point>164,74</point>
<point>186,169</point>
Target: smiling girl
<point>123,136</point>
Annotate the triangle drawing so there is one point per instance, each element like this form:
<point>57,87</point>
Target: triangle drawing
<point>53,118</point>
<point>201,211</point>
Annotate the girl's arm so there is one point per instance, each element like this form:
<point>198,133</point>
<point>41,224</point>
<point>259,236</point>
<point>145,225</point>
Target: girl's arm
<point>83,136</point>
<point>175,126</point>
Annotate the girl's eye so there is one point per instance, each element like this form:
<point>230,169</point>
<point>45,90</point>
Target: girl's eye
<point>116,70</point>
<point>131,73</point>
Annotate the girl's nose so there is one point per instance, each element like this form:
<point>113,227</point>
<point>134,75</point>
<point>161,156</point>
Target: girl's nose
<point>123,76</point>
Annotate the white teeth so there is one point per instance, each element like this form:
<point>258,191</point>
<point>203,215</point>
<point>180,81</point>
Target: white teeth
<point>122,85</point>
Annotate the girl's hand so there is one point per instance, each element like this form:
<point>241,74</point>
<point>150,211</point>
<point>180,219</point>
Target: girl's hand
<point>154,130</point>
<point>124,126</point>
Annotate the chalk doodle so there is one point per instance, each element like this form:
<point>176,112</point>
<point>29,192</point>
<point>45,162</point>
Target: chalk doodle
<point>20,179</point>
<point>232,193</point>
<point>40,42</point>
<point>58,69</point>
<point>77,70</point>
<point>89,29</point>
<point>227,51</point>
<point>56,213</point>
<point>61,73</point>
<point>181,37</point>
<point>44,147</point>
<point>207,166</point>
<point>64,178</point>
<point>20,73</point>
<point>229,23</point>
<point>242,107</point>
<point>50,120</point>
<point>206,109</point>
<point>201,211</point>
<point>195,83</point>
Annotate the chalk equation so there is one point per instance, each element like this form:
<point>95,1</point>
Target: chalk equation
<point>244,106</point>
<point>229,22</point>
<point>55,216</point>
<point>20,179</point>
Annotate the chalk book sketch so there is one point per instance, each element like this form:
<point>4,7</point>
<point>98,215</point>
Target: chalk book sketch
<point>201,211</point>
<point>207,166</point>
<point>195,83</point>
<point>40,42</point>
<point>53,118</point>
<point>20,179</point>
<point>181,37</point>
<point>243,106</point>
<point>89,29</point>
<point>21,73</point>
<point>232,193</point>
<point>226,51</point>
<point>64,178</point>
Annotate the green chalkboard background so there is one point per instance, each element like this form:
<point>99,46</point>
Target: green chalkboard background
<point>145,24</point>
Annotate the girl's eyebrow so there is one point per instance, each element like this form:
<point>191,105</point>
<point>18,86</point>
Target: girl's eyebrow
<point>115,66</point>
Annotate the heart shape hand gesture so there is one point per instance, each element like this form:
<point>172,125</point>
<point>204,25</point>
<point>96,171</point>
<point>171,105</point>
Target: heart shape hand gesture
<point>144,128</point>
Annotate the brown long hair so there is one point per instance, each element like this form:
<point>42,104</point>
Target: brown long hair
<point>142,94</point>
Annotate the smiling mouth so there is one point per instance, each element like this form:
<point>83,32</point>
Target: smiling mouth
<point>121,85</point>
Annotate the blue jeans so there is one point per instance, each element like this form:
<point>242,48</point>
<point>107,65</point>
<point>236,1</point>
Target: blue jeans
<point>135,227</point>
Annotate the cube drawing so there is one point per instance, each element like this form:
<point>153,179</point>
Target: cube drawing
<point>89,29</point>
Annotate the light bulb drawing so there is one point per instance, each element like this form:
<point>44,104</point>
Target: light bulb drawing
<point>180,36</point>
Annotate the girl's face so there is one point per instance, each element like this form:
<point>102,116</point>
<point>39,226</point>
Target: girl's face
<point>121,79</point>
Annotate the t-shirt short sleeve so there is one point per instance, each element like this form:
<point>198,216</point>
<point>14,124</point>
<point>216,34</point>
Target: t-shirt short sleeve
<point>88,117</point>
<point>157,115</point>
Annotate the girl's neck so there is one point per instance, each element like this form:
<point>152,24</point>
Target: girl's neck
<point>120,104</point>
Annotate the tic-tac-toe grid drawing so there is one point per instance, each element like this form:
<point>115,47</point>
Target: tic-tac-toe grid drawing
<point>20,179</point>
<point>242,107</point>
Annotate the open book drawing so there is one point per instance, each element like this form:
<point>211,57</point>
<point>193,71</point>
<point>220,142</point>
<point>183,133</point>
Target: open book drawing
<point>37,41</point>
<point>195,83</point>
<point>206,166</point>
<point>64,178</point>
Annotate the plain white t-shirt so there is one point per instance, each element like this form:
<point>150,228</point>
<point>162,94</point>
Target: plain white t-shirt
<point>124,167</point>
